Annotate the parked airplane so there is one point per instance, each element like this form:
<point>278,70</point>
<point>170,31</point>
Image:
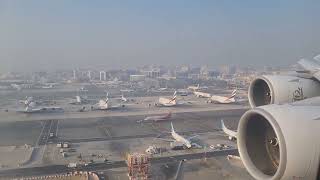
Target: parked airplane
<point>156,118</point>
<point>231,134</point>
<point>168,101</point>
<point>16,86</point>
<point>201,94</point>
<point>276,137</point>
<point>27,101</point>
<point>223,99</point>
<point>180,141</point>
<point>122,99</point>
<point>31,108</point>
<point>105,104</point>
<point>48,86</point>
<point>80,100</point>
<point>126,90</point>
<point>197,88</point>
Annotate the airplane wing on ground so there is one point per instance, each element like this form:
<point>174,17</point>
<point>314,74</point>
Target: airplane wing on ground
<point>228,131</point>
<point>311,67</point>
<point>167,140</point>
<point>185,102</point>
<point>192,137</point>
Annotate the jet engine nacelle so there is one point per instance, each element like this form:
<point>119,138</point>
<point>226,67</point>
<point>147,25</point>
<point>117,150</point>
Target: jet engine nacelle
<point>281,141</point>
<point>280,89</point>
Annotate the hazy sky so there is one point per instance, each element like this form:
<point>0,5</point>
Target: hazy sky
<point>38,35</point>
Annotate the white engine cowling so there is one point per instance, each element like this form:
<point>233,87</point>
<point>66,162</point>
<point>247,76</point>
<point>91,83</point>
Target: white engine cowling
<point>281,141</point>
<point>279,89</point>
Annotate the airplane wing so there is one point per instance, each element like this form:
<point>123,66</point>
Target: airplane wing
<point>185,102</point>
<point>192,137</point>
<point>311,67</point>
<point>228,131</point>
<point>167,140</point>
<point>196,145</point>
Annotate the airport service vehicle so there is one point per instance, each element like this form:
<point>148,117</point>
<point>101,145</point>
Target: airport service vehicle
<point>279,137</point>
<point>72,165</point>
<point>223,99</point>
<point>156,118</point>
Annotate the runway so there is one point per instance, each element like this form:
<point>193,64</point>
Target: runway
<point>107,128</point>
<point>56,169</point>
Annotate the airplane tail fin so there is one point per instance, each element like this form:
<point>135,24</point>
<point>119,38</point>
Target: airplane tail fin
<point>174,97</point>
<point>233,94</point>
<point>229,132</point>
<point>222,125</point>
<point>172,128</point>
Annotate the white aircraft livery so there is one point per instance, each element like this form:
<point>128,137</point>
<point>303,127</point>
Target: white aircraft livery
<point>223,99</point>
<point>232,134</point>
<point>168,101</point>
<point>179,140</point>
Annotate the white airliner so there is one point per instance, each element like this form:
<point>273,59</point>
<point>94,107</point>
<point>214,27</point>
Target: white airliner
<point>223,99</point>
<point>27,101</point>
<point>168,102</point>
<point>202,94</point>
<point>196,88</point>
<point>30,107</point>
<point>79,100</point>
<point>126,90</point>
<point>48,86</point>
<point>156,118</point>
<point>16,86</point>
<point>231,134</point>
<point>105,104</point>
<point>179,140</point>
<point>122,99</point>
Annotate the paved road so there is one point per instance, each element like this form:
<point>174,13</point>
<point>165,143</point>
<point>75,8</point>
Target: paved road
<point>54,169</point>
<point>44,135</point>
